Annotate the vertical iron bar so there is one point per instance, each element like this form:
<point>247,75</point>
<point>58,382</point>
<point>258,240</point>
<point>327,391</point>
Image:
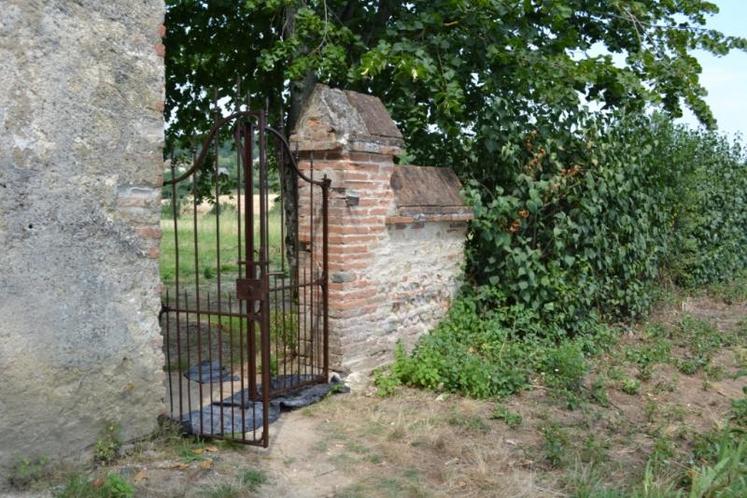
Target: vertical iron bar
<point>250,266</point>
<point>231,360</point>
<point>240,164</point>
<point>281,175</point>
<point>325,276</point>
<point>210,358</point>
<point>281,199</point>
<point>197,287</point>
<point>264,324</point>
<point>168,353</point>
<point>297,291</point>
<point>218,268</point>
<point>176,284</point>
<point>303,368</point>
<point>186,336</point>
<point>242,145</point>
<point>312,270</point>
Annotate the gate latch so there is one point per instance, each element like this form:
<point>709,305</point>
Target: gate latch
<point>251,289</point>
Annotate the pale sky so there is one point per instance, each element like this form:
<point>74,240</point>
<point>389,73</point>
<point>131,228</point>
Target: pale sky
<point>725,78</point>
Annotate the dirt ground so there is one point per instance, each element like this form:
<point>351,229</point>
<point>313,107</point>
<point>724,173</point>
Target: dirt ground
<point>419,443</point>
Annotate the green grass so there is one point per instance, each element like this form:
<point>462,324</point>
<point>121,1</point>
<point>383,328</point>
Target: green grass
<point>113,486</point>
<point>208,262</point>
<point>512,419</point>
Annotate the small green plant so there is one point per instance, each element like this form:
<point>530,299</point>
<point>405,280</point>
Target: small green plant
<point>191,450</point>
<point>594,450</point>
<point>662,452</point>
<point>223,490</point>
<point>739,410</point>
<point>253,479</point>
<point>27,471</point>
<point>616,374</point>
<point>599,391</point>
<point>665,386</point>
<point>284,331</point>
<point>649,354</point>
<point>108,444</point>
<point>386,383</point>
<point>112,486</point>
<point>511,418</point>
<point>645,372</point>
<point>565,367</point>
<point>208,272</point>
<point>630,386</point>
<point>714,373</point>
<point>555,444</point>
<point>689,366</point>
<point>701,339</point>
<point>650,409</point>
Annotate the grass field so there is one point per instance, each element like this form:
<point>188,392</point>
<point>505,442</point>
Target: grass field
<point>208,261</point>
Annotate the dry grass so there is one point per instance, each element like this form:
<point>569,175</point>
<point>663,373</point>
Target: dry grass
<point>419,443</point>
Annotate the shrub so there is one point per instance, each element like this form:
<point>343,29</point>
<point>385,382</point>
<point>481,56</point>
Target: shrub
<point>574,226</point>
<point>487,353</point>
<point>587,212</point>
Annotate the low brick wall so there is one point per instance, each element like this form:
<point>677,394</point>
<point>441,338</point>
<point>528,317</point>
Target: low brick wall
<point>395,249</point>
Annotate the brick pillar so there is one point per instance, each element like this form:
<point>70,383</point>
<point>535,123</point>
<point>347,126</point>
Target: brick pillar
<point>350,138</point>
<point>396,233</point>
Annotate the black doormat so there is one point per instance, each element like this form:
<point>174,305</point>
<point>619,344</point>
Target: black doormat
<point>303,397</point>
<point>239,414</point>
<point>234,420</point>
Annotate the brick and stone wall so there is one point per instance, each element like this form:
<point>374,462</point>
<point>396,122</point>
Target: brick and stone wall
<point>396,233</point>
<point>81,101</point>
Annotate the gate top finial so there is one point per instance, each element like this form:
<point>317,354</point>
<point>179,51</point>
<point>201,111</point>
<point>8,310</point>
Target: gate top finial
<point>334,119</point>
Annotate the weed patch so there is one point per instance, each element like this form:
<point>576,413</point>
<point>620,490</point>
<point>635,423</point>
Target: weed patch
<point>27,471</point>
<point>111,486</point>
<point>555,445</point>
<point>108,444</point>
<point>510,418</point>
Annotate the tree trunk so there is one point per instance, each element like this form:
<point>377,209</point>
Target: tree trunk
<point>299,92</point>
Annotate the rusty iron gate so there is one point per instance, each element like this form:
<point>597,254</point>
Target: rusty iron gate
<point>244,303</point>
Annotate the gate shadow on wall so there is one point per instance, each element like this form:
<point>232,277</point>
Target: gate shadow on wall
<point>244,304</point>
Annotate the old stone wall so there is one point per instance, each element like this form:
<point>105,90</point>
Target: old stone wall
<point>418,268</point>
<point>396,233</point>
<point>81,132</point>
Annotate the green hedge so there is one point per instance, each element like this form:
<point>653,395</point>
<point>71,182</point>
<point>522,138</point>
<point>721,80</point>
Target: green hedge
<point>574,227</point>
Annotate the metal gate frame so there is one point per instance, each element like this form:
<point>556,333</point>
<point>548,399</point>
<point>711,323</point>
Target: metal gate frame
<point>283,297</point>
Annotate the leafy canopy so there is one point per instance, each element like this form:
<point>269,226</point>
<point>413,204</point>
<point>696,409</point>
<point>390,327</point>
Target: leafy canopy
<point>454,73</point>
